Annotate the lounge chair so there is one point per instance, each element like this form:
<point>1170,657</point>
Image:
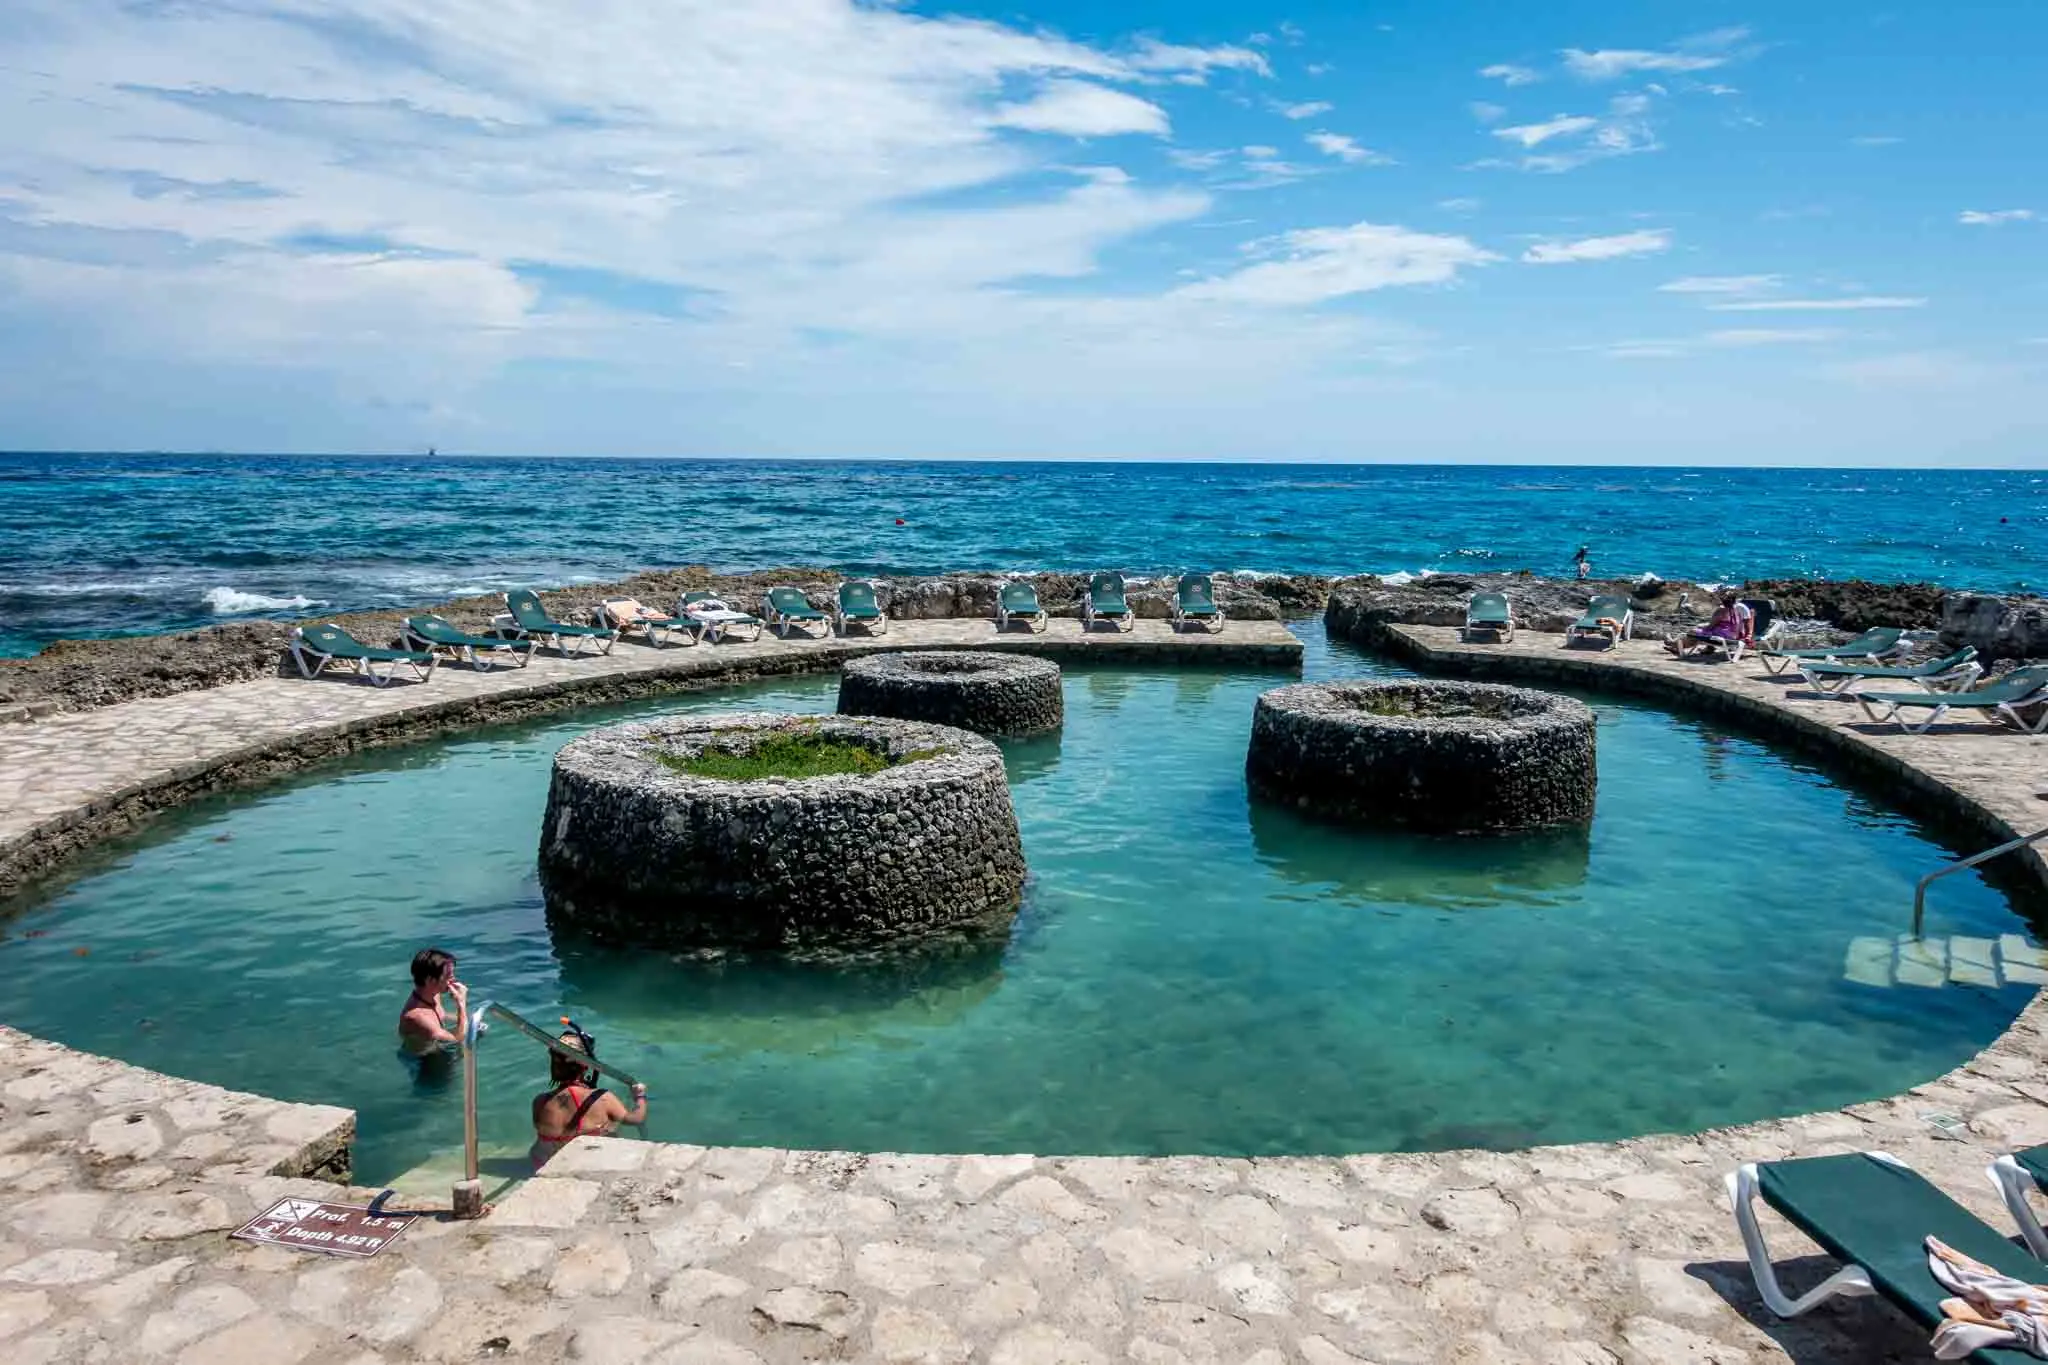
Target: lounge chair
<point>788,607</point>
<point>857,602</point>
<point>526,619</point>
<point>1105,601</point>
<point>2017,1176</point>
<point>1873,646</point>
<point>1874,1214</point>
<point>1194,599</point>
<point>1018,601</point>
<point>712,618</point>
<point>2003,698</point>
<point>1607,618</point>
<point>1760,625</point>
<point>315,647</point>
<point>1951,674</point>
<point>626,615</point>
<point>438,635</point>
<point>1489,611</point>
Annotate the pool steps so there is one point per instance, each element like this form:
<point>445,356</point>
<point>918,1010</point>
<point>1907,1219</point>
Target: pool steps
<point>2008,960</point>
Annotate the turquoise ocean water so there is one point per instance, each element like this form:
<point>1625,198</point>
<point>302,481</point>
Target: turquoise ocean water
<point>1191,971</point>
<point>114,544</point>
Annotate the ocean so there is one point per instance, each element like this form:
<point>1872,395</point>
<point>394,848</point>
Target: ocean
<point>125,544</point>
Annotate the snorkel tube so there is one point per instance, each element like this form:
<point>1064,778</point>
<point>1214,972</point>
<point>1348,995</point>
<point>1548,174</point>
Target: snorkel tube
<point>587,1043</point>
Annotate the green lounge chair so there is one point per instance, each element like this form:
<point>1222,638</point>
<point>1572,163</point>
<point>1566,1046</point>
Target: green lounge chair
<point>1874,1214</point>
<point>626,615</point>
<point>788,607</point>
<point>2003,698</point>
<point>1489,611</point>
<point>708,614</point>
<point>1873,646</point>
<point>857,602</point>
<point>315,647</point>
<point>1194,600</point>
<point>438,635</point>
<point>1952,674</point>
<point>2017,1176</point>
<point>1607,618</point>
<point>526,619</point>
<point>1018,601</point>
<point>1105,601</point>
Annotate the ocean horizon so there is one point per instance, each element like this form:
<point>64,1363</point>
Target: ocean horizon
<point>112,544</point>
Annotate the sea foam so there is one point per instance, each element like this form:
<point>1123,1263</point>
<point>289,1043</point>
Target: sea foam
<point>234,602</point>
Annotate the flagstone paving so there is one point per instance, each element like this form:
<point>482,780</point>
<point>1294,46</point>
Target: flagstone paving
<point>118,1188</point>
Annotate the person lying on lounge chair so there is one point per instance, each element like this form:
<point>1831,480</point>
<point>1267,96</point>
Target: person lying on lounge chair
<point>1728,628</point>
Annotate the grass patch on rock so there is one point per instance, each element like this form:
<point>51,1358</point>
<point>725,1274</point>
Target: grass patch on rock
<point>791,756</point>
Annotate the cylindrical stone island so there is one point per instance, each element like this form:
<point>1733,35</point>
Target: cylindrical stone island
<point>1435,757</point>
<point>993,694</point>
<point>715,832</point>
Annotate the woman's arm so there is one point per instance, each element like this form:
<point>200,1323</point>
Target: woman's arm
<point>637,1114</point>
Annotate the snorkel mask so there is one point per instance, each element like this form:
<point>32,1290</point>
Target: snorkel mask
<point>587,1043</point>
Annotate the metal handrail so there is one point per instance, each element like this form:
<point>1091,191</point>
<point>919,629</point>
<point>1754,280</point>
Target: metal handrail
<point>469,1193</point>
<point>1920,890</point>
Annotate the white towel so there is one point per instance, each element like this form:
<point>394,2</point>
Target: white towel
<point>1991,1308</point>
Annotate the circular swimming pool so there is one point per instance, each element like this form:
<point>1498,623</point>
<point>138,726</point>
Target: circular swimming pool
<point>1191,972</point>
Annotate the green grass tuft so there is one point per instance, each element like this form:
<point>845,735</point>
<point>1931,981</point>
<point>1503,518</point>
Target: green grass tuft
<point>786,755</point>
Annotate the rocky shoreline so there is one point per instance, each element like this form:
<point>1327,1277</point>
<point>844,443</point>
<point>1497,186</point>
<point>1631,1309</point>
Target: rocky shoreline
<point>76,675</point>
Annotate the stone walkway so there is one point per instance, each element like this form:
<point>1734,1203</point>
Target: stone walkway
<point>117,1188</point>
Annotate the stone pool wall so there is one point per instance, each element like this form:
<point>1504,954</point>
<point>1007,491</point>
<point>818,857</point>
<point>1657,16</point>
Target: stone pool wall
<point>1525,762</point>
<point>638,854</point>
<point>990,694</point>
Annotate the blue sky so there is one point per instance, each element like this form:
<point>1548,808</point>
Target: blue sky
<point>1590,232</point>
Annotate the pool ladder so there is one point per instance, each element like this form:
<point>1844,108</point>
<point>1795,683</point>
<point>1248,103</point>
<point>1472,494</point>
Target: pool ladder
<point>469,1191</point>
<point>2009,846</point>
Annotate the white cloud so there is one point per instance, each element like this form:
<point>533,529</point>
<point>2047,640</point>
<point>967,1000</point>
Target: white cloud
<point>1192,65</point>
<point>1461,205</point>
<point>1995,217</point>
<point>1703,52</point>
<point>1535,134</point>
<point>1260,152</point>
<point>1721,284</point>
<point>1307,109</point>
<point>1318,264</point>
<point>1853,304</point>
<point>1770,336</point>
<point>1082,109</point>
<point>1875,140</point>
<point>1643,243</point>
<point>1581,138</point>
<point>1510,73</point>
<point>1613,63</point>
<point>1488,113</point>
<point>1346,149</point>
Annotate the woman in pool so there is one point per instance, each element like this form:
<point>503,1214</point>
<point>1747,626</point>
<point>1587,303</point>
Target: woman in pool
<point>572,1107</point>
<point>1729,624</point>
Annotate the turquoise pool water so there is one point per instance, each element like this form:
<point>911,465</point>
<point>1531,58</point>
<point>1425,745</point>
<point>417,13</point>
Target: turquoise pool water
<point>1189,973</point>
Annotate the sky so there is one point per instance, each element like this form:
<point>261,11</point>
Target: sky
<point>1623,231</point>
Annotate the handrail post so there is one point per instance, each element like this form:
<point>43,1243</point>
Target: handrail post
<point>469,1191</point>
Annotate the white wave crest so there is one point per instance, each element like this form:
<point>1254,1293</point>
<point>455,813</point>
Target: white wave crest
<point>234,602</point>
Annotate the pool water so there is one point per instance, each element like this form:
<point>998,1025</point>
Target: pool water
<point>1189,974</point>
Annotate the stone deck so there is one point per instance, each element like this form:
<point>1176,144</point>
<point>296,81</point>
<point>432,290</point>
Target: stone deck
<point>117,1188</point>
